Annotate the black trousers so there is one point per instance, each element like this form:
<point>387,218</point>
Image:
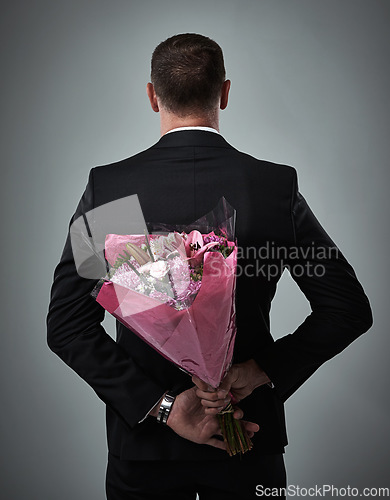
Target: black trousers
<point>234,478</point>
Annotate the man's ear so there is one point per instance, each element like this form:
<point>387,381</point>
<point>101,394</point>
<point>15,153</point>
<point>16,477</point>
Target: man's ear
<point>225,94</point>
<point>152,97</point>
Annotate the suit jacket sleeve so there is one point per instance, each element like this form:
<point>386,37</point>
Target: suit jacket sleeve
<point>75,334</point>
<point>340,308</point>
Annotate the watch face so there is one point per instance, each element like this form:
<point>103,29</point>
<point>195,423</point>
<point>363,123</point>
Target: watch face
<point>170,398</point>
<point>165,408</point>
<point>167,401</point>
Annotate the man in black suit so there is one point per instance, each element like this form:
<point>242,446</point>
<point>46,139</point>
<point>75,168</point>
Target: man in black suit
<point>177,180</point>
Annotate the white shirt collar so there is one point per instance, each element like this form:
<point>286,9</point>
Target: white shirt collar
<point>206,129</point>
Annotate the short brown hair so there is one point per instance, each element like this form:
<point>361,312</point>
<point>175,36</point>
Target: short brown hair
<point>187,73</point>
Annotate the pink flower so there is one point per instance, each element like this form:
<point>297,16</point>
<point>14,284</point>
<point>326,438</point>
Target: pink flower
<point>195,247</point>
<point>193,242</point>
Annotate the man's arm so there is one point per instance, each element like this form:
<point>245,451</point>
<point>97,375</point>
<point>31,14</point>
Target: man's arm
<point>340,309</point>
<point>340,313</point>
<point>75,334</point>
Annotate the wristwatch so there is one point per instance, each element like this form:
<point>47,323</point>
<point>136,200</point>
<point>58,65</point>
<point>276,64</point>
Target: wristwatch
<point>165,408</point>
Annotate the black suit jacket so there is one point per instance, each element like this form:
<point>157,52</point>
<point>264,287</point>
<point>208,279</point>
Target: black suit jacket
<point>177,180</point>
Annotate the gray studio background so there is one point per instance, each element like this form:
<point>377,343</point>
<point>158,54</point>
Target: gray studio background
<point>310,87</point>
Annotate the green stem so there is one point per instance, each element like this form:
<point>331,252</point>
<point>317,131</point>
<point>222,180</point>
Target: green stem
<point>148,246</point>
<point>234,434</point>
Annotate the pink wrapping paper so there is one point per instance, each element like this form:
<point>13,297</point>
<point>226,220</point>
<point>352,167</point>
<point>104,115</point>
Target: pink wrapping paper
<point>198,339</point>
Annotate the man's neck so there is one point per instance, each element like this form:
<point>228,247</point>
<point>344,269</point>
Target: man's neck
<point>170,121</point>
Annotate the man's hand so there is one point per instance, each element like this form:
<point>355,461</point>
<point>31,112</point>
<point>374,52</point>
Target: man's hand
<point>241,380</point>
<point>189,420</point>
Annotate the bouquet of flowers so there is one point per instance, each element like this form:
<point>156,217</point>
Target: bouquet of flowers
<point>175,289</point>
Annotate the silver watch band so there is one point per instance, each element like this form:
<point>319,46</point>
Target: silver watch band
<point>165,408</point>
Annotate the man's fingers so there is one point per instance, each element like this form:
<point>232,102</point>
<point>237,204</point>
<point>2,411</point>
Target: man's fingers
<point>226,384</point>
<point>205,389</point>
<point>213,396</point>
<point>250,426</point>
<point>238,414</point>
<point>201,385</point>
<point>209,396</point>
<point>213,411</point>
<point>215,404</point>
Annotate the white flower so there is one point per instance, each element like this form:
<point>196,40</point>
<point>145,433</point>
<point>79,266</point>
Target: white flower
<point>158,269</point>
<point>145,268</point>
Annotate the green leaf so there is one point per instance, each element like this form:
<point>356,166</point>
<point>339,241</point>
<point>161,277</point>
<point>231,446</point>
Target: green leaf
<point>148,247</point>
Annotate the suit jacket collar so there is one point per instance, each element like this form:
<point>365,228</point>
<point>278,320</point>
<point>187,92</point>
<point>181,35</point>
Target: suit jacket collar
<point>192,138</point>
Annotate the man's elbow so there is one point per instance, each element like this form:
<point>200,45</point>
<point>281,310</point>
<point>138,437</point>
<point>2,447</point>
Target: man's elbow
<point>363,319</point>
<point>55,336</point>
<point>52,341</point>
<point>368,319</point>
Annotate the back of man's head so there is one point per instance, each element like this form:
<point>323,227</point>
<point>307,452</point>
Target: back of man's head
<point>187,74</point>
